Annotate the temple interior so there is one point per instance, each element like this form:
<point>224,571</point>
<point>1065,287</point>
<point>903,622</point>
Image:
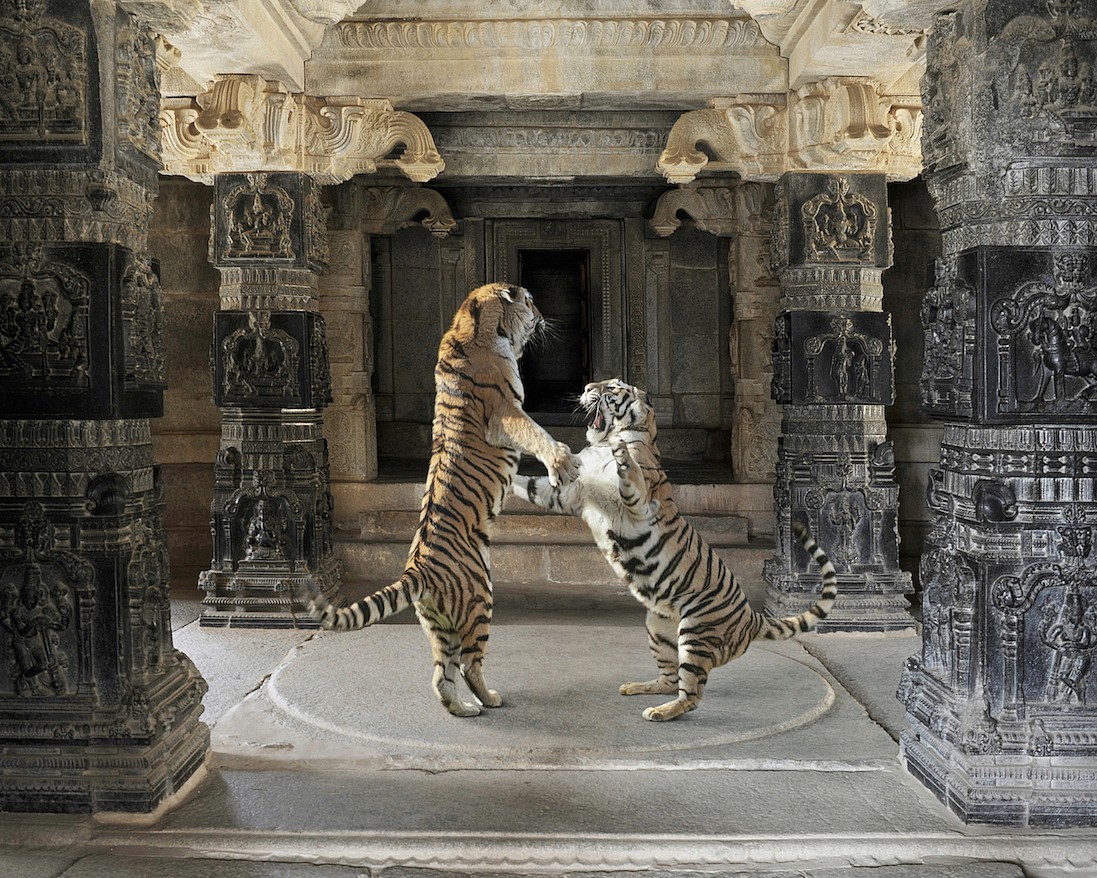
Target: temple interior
<point>845,248</point>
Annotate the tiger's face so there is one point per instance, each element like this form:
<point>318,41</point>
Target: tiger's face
<point>501,310</point>
<point>614,406</point>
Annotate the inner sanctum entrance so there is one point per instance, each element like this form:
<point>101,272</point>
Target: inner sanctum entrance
<point>555,371</point>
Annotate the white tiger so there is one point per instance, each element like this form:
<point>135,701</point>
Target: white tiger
<point>698,616</point>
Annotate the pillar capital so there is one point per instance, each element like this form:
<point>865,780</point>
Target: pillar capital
<point>834,124</point>
<point>244,122</point>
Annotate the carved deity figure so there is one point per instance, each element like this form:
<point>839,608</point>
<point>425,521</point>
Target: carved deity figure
<point>34,614</point>
<point>839,225</point>
<point>844,515</point>
<point>258,217</point>
<point>1070,635</point>
<point>264,540</point>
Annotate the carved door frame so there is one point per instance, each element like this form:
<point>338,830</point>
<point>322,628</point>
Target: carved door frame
<point>604,240</point>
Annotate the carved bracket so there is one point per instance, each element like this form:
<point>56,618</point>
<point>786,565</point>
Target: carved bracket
<point>384,210</point>
<point>247,123</point>
<point>834,124</point>
<point>712,209</point>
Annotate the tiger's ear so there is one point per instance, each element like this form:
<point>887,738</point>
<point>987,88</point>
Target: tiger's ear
<point>506,294</point>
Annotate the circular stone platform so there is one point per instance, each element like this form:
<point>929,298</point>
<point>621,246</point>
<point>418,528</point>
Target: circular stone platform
<point>372,689</point>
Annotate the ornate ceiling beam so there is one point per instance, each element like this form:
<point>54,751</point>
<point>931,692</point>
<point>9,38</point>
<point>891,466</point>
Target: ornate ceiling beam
<point>834,124</point>
<point>247,123</point>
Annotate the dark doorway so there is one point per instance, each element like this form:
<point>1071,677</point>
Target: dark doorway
<point>555,372</point>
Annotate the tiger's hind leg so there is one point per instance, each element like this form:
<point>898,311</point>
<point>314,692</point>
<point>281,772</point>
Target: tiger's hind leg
<point>663,642</point>
<point>445,648</point>
<point>694,664</point>
<point>474,642</point>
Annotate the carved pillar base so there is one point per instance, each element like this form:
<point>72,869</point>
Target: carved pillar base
<point>833,355</point>
<point>98,712</point>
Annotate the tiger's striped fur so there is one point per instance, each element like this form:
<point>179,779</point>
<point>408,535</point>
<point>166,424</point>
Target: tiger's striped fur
<point>698,616</point>
<point>479,432</point>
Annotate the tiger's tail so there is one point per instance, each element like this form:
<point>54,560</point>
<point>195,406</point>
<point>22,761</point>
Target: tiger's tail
<point>369,610</point>
<point>790,626</point>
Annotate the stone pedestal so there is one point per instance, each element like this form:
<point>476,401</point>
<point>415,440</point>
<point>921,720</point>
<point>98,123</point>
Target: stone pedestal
<point>272,506</point>
<point>98,711</point>
<point>833,354</point>
<point>1000,699</point>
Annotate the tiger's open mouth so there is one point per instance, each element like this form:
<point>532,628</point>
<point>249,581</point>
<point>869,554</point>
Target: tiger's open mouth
<point>599,421</point>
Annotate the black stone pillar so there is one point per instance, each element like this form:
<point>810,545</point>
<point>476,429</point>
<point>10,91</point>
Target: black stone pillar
<point>1002,700</point>
<point>833,355</point>
<point>272,506</point>
<point>98,712</point>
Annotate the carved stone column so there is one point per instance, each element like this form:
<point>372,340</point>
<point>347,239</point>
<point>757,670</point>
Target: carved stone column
<point>267,151</point>
<point>272,507</point>
<point>833,355</point>
<point>98,711</point>
<point>1001,699</point>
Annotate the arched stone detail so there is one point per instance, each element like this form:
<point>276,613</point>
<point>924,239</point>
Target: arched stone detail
<point>712,209</point>
<point>385,210</point>
<point>247,123</point>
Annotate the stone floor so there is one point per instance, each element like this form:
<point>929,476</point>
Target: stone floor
<point>332,759</point>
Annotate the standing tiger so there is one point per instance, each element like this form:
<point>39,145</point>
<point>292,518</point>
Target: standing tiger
<point>480,430</point>
<point>698,616</point>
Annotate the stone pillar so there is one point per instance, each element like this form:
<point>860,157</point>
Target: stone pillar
<point>1001,699</point>
<point>833,355</point>
<point>272,507</point>
<point>267,151</point>
<point>98,711</point>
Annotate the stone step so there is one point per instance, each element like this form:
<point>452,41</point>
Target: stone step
<point>398,525</point>
<point>569,564</point>
<point>753,502</point>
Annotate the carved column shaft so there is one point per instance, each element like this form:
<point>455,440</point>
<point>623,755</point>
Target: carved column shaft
<point>1000,699</point>
<point>272,506</point>
<point>833,356</point>
<point>97,709</point>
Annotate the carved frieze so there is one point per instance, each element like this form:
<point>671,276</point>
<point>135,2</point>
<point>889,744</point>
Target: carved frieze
<point>137,105</point>
<point>949,337</point>
<point>143,325</point>
<point>246,123</point>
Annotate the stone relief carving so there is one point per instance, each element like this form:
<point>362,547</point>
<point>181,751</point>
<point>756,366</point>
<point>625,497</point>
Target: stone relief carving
<point>1047,340</point>
<point>260,360</point>
<point>948,333</point>
<point>849,359</point>
<point>258,218</point>
<point>40,590</point>
<point>43,75</point>
<point>138,89</point>
<point>43,319</point>
<point>713,209</point>
<point>839,225</point>
<point>246,123</point>
<point>143,324</point>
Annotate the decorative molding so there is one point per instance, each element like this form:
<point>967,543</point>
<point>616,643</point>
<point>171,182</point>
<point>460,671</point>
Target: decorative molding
<point>833,124</point>
<point>247,123</point>
<point>554,33</point>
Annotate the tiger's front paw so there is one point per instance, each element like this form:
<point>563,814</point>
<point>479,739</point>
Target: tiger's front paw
<point>563,466</point>
<point>622,457</point>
